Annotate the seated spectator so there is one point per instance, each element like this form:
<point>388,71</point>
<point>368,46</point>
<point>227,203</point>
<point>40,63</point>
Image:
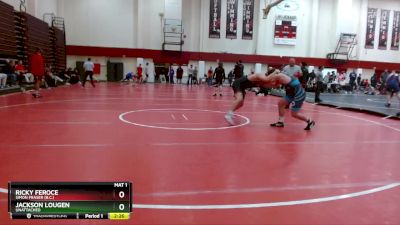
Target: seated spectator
<point>9,69</point>
<point>51,78</point>
<point>22,72</point>
<point>66,74</point>
<point>75,77</point>
<point>368,89</point>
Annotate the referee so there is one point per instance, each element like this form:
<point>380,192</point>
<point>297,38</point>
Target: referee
<point>89,67</point>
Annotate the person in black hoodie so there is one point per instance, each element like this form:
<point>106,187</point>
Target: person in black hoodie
<point>239,70</point>
<point>219,76</point>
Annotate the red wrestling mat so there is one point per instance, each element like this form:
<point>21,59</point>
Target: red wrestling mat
<point>188,167</point>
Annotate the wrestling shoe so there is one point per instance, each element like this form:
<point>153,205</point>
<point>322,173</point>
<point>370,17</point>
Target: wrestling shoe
<point>229,119</point>
<point>278,124</point>
<point>310,125</point>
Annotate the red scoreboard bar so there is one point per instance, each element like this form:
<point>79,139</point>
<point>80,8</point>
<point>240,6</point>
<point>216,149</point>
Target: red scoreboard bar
<point>65,200</point>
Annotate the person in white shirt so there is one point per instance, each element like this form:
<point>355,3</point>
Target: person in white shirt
<point>292,69</point>
<point>88,66</point>
<point>3,80</point>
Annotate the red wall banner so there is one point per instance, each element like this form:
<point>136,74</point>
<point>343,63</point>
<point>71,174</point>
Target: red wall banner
<point>371,26</point>
<point>248,19</point>
<point>383,30</point>
<point>231,19</point>
<point>215,19</point>
<point>396,31</point>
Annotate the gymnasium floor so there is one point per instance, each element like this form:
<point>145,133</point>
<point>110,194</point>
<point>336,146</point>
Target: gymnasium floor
<point>189,167</point>
<point>362,102</point>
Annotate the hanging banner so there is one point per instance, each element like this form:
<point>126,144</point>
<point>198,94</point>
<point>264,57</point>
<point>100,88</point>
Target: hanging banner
<point>383,30</point>
<point>248,19</point>
<point>371,26</point>
<point>215,19</point>
<point>396,31</point>
<point>231,19</point>
<point>285,30</point>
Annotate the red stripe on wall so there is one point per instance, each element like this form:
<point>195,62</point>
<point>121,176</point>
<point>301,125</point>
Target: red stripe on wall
<point>183,58</point>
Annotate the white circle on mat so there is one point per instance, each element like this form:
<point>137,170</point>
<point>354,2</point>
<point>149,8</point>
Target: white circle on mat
<point>122,118</point>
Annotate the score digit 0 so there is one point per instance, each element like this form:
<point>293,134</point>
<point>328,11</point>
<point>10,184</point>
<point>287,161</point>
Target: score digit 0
<point>121,194</point>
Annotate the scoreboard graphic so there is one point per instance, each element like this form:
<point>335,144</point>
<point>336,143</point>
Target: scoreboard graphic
<point>285,30</point>
<point>60,200</point>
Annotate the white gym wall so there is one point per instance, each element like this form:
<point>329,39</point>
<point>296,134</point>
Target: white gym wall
<point>36,7</point>
<point>138,24</point>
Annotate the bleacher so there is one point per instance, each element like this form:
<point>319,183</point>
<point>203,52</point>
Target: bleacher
<point>58,48</point>
<point>8,37</point>
<point>21,34</point>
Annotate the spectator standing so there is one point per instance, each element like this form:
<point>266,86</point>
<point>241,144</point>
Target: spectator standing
<point>37,67</point>
<point>292,69</point>
<point>333,82</point>
<point>306,75</point>
<point>241,66</point>
<point>3,80</point>
<point>327,77</point>
<point>219,76</point>
<point>194,77</point>
<point>319,84</point>
<point>179,74</point>
<point>147,71</point>
<point>359,80</point>
<point>190,75</point>
<point>171,75</point>
<point>139,74</point>
<point>210,76</point>
<point>384,76</point>
<point>382,80</point>
<point>374,81</point>
<point>239,70</point>
<point>230,77</point>
<point>88,66</point>
<point>353,78</point>
<point>342,79</point>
